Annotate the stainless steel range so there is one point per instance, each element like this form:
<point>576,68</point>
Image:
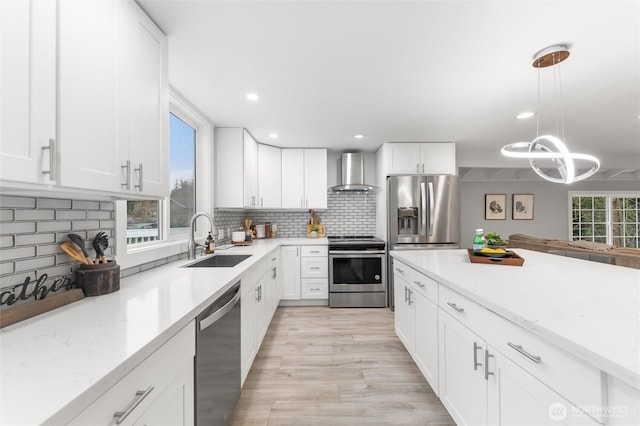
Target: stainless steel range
<point>357,272</point>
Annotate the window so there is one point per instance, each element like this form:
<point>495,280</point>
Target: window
<point>606,218</point>
<point>156,229</point>
<point>144,217</point>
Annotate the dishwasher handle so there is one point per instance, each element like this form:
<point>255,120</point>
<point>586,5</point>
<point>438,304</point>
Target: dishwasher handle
<point>214,317</point>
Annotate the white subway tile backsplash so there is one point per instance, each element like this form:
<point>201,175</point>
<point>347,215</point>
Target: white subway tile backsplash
<point>79,225</point>
<point>54,226</point>
<point>71,214</point>
<point>6,215</point>
<point>53,203</point>
<point>34,215</point>
<point>107,206</point>
<point>43,250</point>
<point>18,202</point>
<point>6,268</point>
<point>35,263</point>
<point>17,227</point>
<point>6,241</point>
<point>98,214</point>
<point>85,205</point>
<point>34,239</point>
<point>17,253</point>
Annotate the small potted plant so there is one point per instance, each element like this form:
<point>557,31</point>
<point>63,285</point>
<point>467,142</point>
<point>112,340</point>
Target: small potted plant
<point>494,240</point>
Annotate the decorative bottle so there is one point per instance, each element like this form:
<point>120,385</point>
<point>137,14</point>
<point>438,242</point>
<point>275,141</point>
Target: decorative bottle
<point>478,240</point>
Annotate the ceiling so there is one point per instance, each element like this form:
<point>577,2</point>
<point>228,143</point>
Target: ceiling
<point>399,71</point>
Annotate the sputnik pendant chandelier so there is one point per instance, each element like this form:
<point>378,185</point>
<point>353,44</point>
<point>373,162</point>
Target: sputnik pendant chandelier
<point>548,148</point>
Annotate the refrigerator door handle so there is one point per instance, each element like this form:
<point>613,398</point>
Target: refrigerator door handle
<point>432,206</point>
<point>423,209</point>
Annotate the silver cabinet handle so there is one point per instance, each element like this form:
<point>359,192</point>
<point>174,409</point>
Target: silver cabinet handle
<point>399,270</point>
<point>519,348</point>
<point>422,167</point>
<point>454,306</point>
<point>419,283</point>
<point>410,293</point>
<point>417,167</point>
<point>487,373</point>
<point>260,292</point>
<point>405,294</point>
<point>314,289</point>
<point>214,317</point>
<point>140,177</point>
<point>273,259</point>
<point>127,183</point>
<point>314,251</point>
<point>257,294</point>
<point>52,159</point>
<point>476,364</point>
<point>275,273</point>
<point>120,416</point>
<point>314,267</point>
<point>261,201</point>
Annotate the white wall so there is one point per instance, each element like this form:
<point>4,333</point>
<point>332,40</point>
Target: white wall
<point>551,206</point>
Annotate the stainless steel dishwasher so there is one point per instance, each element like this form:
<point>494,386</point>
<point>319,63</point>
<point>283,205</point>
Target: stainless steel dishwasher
<point>217,366</point>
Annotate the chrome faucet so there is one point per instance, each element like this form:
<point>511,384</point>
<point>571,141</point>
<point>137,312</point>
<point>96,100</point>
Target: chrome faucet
<point>192,239</point>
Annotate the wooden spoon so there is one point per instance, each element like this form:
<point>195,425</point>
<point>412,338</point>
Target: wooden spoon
<point>73,252</point>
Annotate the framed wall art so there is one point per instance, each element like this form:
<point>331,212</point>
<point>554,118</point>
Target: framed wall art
<point>522,207</point>
<point>495,206</point>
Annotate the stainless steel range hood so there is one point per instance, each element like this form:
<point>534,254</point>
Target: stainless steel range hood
<point>353,174</point>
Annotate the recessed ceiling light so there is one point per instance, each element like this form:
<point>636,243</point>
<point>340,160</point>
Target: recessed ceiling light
<point>253,96</point>
<point>359,136</point>
<point>525,115</point>
<point>273,135</point>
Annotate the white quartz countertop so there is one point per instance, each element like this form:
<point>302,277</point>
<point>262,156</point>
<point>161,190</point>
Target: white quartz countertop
<point>587,308</point>
<point>54,365</point>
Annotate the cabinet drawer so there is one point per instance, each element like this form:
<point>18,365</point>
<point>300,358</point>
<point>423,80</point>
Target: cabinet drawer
<point>315,288</point>
<point>469,313</point>
<point>572,378</point>
<point>314,251</point>
<point>272,259</point>
<point>158,370</point>
<point>426,286</point>
<point>314,267</point>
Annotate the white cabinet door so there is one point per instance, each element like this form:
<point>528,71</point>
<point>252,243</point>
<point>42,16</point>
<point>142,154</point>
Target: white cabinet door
<point>462,387</point>
<point>315,178</point>
<point>291,272</point>
<point>147,103</point>
<point>438,158</point>
<point>248,331</point>
<point>516,398</point>
<point>175,406</point>
<point>403,158</point>
<point>261,311</point>
<point>404,313</point>
<point>426,338</point>
<point>27,89</point>
<point>292,178</point>
<point>250,171</point>
<point>92,137</point>
<point>270,176</point>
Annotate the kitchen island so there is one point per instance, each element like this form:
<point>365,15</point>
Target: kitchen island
<point>56,364</point>
<point>585,313</point>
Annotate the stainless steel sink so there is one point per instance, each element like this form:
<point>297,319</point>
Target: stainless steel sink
<point>220,261</point>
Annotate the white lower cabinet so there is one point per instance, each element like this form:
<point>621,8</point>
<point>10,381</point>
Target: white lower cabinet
<point>259,301</point>
<point>489,371</point>
<point>291,273</point>
<point>305,273</point>
<point>463,389</point>
<point>158,391</point>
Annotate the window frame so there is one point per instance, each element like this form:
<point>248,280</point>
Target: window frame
<point>129,256</point>
<point>608,195</point>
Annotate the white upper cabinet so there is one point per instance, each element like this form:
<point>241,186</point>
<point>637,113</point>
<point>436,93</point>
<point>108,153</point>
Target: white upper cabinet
<point>269,176</point>
<point>304,178</point>
<point>148,103</point>
<point>113,99</point>
<point>236,168</point>
<point>250,170</point>
<point>27,90</point>
<point>420,158</point>
<point>87,80</point>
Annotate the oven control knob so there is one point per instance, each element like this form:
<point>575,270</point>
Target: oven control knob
<point>377,277</point>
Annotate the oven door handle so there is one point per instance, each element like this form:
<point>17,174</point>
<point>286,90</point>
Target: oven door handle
<point>358,252</point>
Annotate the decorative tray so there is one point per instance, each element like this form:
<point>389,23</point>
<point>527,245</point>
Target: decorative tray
<point>509,258</point>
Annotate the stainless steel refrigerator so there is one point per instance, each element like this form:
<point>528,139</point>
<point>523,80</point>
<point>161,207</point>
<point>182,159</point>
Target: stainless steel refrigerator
<point>423,212</point>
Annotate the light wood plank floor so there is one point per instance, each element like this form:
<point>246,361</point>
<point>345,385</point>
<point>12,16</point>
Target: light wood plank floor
<point>333,367</point>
